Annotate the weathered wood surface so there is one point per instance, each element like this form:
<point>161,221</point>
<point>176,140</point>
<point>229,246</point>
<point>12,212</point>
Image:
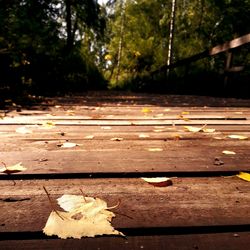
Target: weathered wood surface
<point>207,206</point>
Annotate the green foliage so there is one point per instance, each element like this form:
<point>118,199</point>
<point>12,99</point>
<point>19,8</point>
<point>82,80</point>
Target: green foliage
<point>199,25</point>
<point>33,48</point>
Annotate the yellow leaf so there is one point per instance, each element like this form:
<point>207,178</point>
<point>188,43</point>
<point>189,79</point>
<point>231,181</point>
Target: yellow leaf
<point>143,136</point>
<point>146,110</point>
<point>158,130</point>
<point>89,137</point>
<point>48,125</point>
<point>193,129</point>
<point>68,145</point>
<point>159,181</point>
<point>227,152</point>
<point>83,217</point>
<point>244,176</point>
<point>23,130</point>
<point>208,130</point>
<point>240,137</point>
<point>13,169</point>
<point>185,113</point>
<point>106,127</point>
<point>116,139</point>
<point>155,149</point>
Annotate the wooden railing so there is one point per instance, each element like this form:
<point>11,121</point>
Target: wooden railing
<point>225,47</point>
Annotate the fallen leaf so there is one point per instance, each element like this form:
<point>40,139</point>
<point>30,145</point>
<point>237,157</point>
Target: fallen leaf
<point>166,110</point>
<point>116,139</point>
<point>58,106</point>
<point>68,145</point>
<point>143,136</point>
<point>159,181</point>
<point>106,127</point>
<point>48,125</point>
<point>227,152</point>
<point>70,112</point>
<point>155,149</point>
<point>218,162</point>
<point>185,113</point>
<point>193,129</point>
<point>158,130</point>
<point>89,137</point>
<point>244,176</point>
<point>23,130</point>
<point>83,217</point>
<point>13,169</point>
<point>240,137</point>
<point>208,130</point>
<point>146,110</point>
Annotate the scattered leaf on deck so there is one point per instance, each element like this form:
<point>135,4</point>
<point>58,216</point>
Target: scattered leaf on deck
<point>13,169</point>
<point>208,130</point>
<point>227,152</point>
<point>106,127</point>
<point>143,136</point>
<point>193,129</point>
<point>159,181</point>
<point>70,112</point>
<point>23,130</point>
<point>68,145</point>
<point>116,139</point>
<point>185,113</point>
<point>89,137</point>
<point>83,217</point>
<point>48,125</point>
<point>240,137</point>
<point>158,130</point>
<point>244,176</point>
<point>146,110</point>
<point>155,149</point>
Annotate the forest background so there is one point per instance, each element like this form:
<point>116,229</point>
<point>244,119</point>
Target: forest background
<point>50,47</point>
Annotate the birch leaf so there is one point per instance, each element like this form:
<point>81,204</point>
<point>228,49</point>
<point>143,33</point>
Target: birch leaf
<point>116,139</point>
<point>244,176</point>
<point>48,125</point>
<point>68,145</point>
<point>193,129</point>
<point>23,130</point>
<point>13,169</point>
<point>83,217</point>
<point>146,110</point>
<point>227,152</point>
<point>240,137</point>
<point>143,136</point>
<point>155,149</point>
<point>208,130</point>
<point>89,137</point>
<point>159,181</point>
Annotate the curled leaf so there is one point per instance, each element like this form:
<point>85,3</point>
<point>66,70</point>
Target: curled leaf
<point>159,181</point>
<point>193,129</point>
<point>155,149</point>
<point>13,169</point>
<point>48,125</point>
<point>227,152</point>
<point>68,145</point>
<point>240,137</point>
<point>116,139</point>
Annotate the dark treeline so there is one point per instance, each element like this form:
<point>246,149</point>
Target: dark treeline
<point>61,46</point>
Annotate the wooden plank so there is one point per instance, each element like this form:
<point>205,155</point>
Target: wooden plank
<point>189,202</point>
<point>171,159</point>
<point>155,122</point>
<point>222,241</point>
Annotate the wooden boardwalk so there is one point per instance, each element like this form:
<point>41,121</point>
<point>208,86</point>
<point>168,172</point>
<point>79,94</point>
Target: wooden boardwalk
<point>119,139</point>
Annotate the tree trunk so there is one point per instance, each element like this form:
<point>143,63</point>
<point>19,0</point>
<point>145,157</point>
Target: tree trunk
<point>171,35</point>
<point>70,38</point>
